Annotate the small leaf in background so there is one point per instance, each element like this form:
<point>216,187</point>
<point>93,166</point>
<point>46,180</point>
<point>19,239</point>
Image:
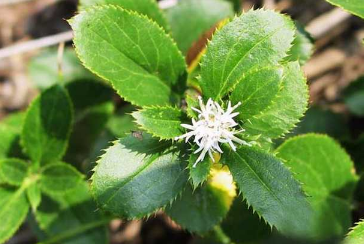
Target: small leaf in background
<point>253,40</point>
<point>10,130</point>
<point>356,235</point>
<point>14,209</point>
<point>288,106</point>
<point>13,171</point>
<point>73,212</point>
<point>127,178</point>
<point>44,73</point>
<point>353,6</point>
<point>132,52</point>
<point>34,196</point>
<point>244,226</point>
<point>302,46</point>
<point>256,91</point>
<point>146,7</point>
<point>270,189</point>
<point>354,97</point>
<point>58,178</point>
<point>189,19</point>
<point>121,123</point>
<point>199,174</point>
<point>48,125</point>
<point>328,177</point>
<point>163,122</point>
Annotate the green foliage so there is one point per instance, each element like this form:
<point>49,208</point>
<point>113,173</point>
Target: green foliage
<point>356,235</point>
<point>10,129</point>
<point>48,125</point>
<point>328,177</point>
<point>14,208</point>
<point>34,196</point>
<point>163,122</point>
<point>302,46</point>
<point>200,172</point>
<point>353,6</point>
<point>270,189</point>
<point>13,171</point>
<point>254,40</point>
<point>354,97</point>
<point>189,19</point>
<point>199,210</point>
<point>44,73</point>
<point>133,53</point>
<point>146,7</point>
<point>132,165</point>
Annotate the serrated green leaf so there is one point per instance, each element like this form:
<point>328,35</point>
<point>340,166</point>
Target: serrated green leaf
<point>189,19</point>
<point>44,73</point>
<point>353,6</point>
<point>14,209</point>
<point>10,129</point>
<point>242,225</point>
<point>256,91</point>
<point>13,171</point>
<point>302,46</point>
<point>255,39</point>
<point>328,177</point>
<point>354,97</point>
<point>34,195</point>
<point>200,172</point>
<point>287,108</point>
<point>133,53</point>
<point>270,189</point>
<point>48,125</point>
<point>356,235</point>
<point>127,178</point>
<point>146,7</point>
<point>59,178</point>
<point>199,210</point>
<point>73,212</point>
<point>163,122</point>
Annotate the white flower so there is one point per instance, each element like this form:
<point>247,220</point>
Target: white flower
<point>214,126</point>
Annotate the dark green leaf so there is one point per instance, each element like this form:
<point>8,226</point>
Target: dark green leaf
<point>189,19</point>
<point>48,125</point>
<point>73,212</point>
<point>146,7</point>
<point>200,172</point>
<point>163,122</point>
<point>302,46</point>
<point>354,97</point>
<point>132,52</point>
<point>13,171</point>
<point>127,179</point>
<point>353,6</point>
<point>287,108</point>
<point>10,129</point>
<point>199,210</point>
<point>121,123</point>
<point>34,196</point>
<point>44,73</point>
<point>14,209</point>
<point>254,40</point>
<point>356,235</point>
<point>58,178</point>
<point>270,189</point>
<point>328,177</point>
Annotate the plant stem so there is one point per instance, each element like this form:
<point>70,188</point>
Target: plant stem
<point>220,236</point>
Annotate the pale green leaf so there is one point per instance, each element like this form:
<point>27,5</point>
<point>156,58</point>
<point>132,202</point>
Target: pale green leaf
<point>34,195</point>
<point>287,108</point>
<point>354,97</point>
<point>163,122</point>
<point>48,125</point>
<point>353,6</point>
<point>200,172</point>
<point>253,40</point>
<point>136,176</point>
<point>146,7</point>
<point>13,171</point>
<point>14,209</point>
<point>10,129</point>
<point>133,53</point>
<point>199,210</point>
<point>270,189</point>
<point>76,213</point>
<point>59,178</point>
<point>356,235</point>
<point>328,177</point>
<point>189,19</point>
